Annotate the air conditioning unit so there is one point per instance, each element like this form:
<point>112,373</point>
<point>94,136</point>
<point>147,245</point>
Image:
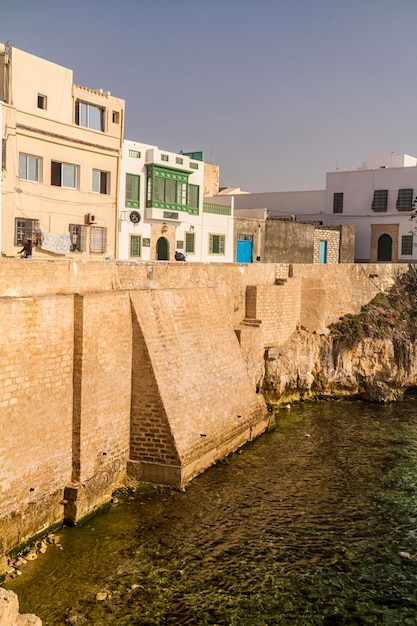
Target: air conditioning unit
<point>90,218</point>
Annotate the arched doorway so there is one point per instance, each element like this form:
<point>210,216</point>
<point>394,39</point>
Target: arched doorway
<point>384,248</point>
<point>162,249</point>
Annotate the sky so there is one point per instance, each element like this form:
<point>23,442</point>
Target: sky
<point>275,92</point>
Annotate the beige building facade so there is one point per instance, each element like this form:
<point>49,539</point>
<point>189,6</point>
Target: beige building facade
<point>61,146</point>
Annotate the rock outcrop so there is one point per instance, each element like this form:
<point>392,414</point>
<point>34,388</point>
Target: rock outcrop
<point>309,366</point>
<point>372,356</point>
<point>9,611</point>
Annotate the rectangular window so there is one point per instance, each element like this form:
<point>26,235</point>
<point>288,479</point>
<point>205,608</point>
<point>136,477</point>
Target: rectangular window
<point>338,202</point>
<point>25,228</point>
<point>405,200</point>
<point>179,160</point>
<point>29,167</point>
<point>135,154</point>
<point>101,182</point>
<point>217,244</point>
<point>3,154</point>
<point>98,239</point>
<point>64,175</point>
<point>407,244</point>
<point>78,236</point>
<point>116,117</point>
<point>193,196</point>
<point>164,157</point>
<point>170,191</point>
<point>41,101</point>
<point>132,191</point>
<point>380,201</point>
<point>190,243</point>
<point>89,115</point>
<point>135,246</point>
<point>194,166</point>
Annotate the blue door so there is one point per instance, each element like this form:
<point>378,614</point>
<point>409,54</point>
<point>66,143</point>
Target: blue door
<point>323,252</point>
<point>244,251</point>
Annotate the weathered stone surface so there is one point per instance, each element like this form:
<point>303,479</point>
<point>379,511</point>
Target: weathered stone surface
<point>310,365</point>
<point>9,611</point>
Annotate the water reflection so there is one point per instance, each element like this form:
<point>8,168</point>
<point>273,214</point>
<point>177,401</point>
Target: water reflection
<point>314,523</point>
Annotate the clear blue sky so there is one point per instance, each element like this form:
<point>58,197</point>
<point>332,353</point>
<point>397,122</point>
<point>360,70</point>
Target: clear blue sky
<point>276,92</point>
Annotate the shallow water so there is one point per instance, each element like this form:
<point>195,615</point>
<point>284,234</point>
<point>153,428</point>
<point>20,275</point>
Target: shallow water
<point>313,523</point>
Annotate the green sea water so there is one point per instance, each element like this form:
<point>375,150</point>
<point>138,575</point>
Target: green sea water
<point>314,523</point>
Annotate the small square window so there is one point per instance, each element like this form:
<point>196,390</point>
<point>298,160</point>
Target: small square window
<point>380,201</point>
<point>164,157</point>
<point>179,160</point>
<point>41,101</point>
<point>78,236</point>
<point>338,202</point>
<point>24,227</point>
<point>135,246</point>
<point>405,200</point>
<point>29,167</point>
<point>190,243</point>
<point>98,239</point>
<point>217,244</point>
<point>407,244</point>
<point>64,175</point>
<point>101,182</point>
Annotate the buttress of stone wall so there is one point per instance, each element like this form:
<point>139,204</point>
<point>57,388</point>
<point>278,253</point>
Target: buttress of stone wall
<point>102,385</point>
<point>193,356</point>
<point>153,454</point>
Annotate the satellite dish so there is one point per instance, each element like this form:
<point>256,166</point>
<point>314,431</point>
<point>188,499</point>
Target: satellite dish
<point>134,217</point>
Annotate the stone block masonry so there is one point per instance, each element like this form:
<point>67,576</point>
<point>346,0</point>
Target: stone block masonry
<point>36,395</point>
<point>148,368</point>
<point>187,360</point>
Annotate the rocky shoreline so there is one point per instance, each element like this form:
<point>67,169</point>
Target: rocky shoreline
<point>9,611</point>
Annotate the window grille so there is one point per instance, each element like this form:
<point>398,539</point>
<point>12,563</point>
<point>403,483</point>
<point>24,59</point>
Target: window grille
<point>78,236</point>
<point>135,246</point>
<point>217,244</point>
<point>380,201</point>
<point>98,239</point>
<point>190,243</point>
<point>338,202</point>
<point>405,200</point>
<point>24,227</point>
<point>407,244</point>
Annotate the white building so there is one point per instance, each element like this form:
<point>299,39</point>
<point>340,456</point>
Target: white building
<point>162,209</point>
<point>379,199</point>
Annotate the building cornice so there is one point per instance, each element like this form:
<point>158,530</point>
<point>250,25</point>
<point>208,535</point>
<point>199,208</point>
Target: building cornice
<point>82,142</point>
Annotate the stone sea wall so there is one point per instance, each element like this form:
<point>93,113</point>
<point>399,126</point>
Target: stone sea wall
<point>152,370</point>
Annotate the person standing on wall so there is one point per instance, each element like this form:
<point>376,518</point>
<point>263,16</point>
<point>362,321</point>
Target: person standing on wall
<point>26,251</point>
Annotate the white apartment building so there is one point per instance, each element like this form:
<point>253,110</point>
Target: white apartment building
<point>162,209</point>
<point>379,199</point>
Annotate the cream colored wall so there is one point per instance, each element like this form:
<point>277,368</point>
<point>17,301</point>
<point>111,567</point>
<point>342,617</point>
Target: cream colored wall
<point>31,76</point>
<point>51,134</point>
